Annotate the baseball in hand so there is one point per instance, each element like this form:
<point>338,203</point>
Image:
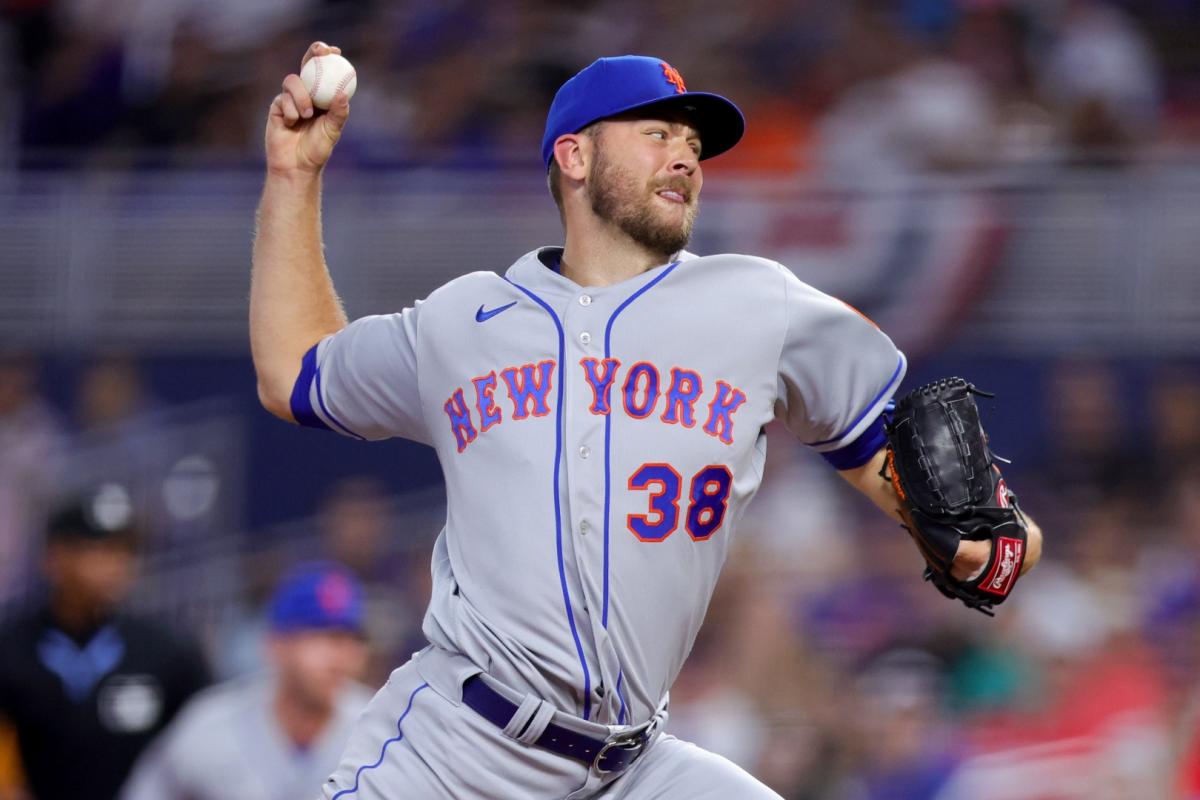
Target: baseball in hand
<point>327,76</point>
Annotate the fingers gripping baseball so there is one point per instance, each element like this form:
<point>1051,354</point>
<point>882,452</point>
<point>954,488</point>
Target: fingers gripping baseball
<point>299,136</point>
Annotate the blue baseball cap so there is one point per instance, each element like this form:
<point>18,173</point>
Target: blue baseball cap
<point>317,596</point>
<point>610,86</point>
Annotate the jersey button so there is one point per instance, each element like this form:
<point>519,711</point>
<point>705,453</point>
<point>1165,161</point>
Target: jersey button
<point>585,299</point>
<point>585,338</point>
<point>583,528</point>
<point>585,451</point>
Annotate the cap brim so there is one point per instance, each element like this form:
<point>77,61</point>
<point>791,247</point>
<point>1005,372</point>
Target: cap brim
<point>719,121</point>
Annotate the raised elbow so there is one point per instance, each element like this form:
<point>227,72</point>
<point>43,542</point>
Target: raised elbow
<point>276,400</point>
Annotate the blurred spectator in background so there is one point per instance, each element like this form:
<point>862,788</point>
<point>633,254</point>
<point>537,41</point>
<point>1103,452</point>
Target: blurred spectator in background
<point>237,640</point>
<point>117,437</point>
<point>455,81</point>
<point>1175,419</point>
<point>792,517</point>
<point>277,736</point>
<point>1090,724</point>
<point>910,107</point>
<point>899,744</point>
<point>710,709</point>
<point>1103,79</point>
<point>358,528</point>
<point>1089,427</point>
<point>122,434</point>
<point>85,685</point>
<point>111,398</point>
<point>114,416</point>
<point>31,451</point>
<point>1170,573</point>
<point>355,520</point>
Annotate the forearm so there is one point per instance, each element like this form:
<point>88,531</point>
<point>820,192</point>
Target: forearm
<point>1033,548</point>
<point>869,480</point>
<point>293,304</point>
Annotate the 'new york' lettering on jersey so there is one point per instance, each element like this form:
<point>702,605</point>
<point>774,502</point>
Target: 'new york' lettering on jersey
<point>610,437</point>
<point>526,387</point>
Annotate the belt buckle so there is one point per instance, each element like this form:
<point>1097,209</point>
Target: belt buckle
<point>635,742</point>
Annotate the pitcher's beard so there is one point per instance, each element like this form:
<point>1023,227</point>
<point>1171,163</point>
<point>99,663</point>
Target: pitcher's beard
<point>613,194</point>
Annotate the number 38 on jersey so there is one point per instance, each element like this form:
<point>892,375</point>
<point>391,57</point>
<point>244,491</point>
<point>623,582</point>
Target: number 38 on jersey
<point>707,499</point>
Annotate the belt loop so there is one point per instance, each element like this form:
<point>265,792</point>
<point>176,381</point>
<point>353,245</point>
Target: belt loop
<point>537,725</point>
<point>521,719</point>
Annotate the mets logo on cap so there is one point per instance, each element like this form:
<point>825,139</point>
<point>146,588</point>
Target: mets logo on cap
<point>334,594</point>
<point>673,77</point>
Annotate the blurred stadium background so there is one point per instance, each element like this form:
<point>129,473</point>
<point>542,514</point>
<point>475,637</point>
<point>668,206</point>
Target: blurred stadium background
<point>1008,186</point>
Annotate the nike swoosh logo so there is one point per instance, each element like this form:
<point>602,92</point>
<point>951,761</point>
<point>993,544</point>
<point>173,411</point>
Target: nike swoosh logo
<point>484,316</point>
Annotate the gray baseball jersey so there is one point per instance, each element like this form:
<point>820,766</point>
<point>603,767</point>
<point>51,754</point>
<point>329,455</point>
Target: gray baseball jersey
<point>599,446</point>
<point>226,745</point>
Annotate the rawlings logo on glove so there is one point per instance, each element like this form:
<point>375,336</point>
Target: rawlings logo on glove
<point>947,479</point>
<point>1004,572</point>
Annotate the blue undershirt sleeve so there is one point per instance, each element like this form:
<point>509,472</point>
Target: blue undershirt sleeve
<point>301,403</point>
<point>862,449</point>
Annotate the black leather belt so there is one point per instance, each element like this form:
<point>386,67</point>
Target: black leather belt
<point>606,755</point>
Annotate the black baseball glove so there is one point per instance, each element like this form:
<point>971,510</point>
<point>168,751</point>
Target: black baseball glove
<point>951,489</point>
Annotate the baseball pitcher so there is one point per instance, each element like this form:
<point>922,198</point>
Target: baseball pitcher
<point>598,411</point>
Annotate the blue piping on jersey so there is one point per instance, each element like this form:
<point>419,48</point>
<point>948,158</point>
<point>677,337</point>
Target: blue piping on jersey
<point>608,429</point>
<point>886,388</point>
<point>621,697</point>
<point>562,575</point>
<point>608,465</point>
<point>383,750</point>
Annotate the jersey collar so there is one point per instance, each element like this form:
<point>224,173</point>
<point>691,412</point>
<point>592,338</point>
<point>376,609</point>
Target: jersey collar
<point>538,271</point>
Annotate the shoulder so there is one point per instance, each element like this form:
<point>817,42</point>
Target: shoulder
<point>229,697</point>
<point>731,260</point>
<point>473,287</point>
<point>764,283</point>
<point>776,277</point>
<point>762,273</point>
<point>481,279</point>
<point>760,281</point>
<point>220,705</point>
<point>200,736</point>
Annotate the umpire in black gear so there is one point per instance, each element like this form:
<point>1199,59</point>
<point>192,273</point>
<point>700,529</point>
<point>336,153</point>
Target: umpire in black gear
<point>85,685</point>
